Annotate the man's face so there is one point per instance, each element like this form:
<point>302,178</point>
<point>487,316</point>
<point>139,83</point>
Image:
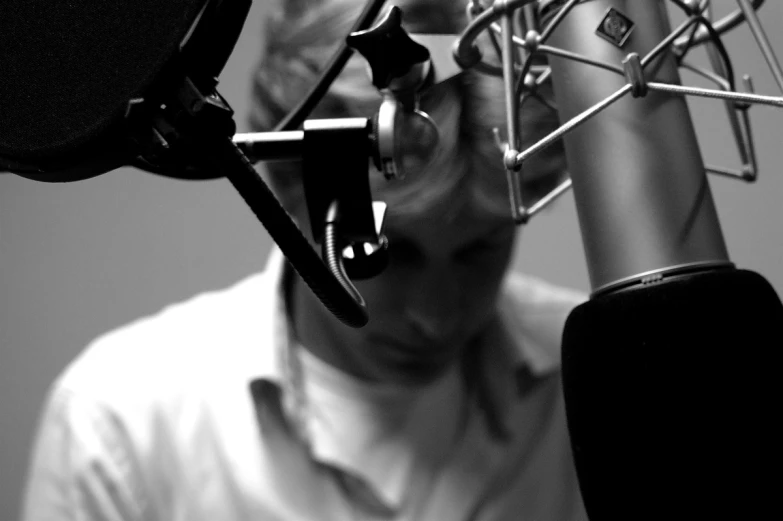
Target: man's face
<point>438,292</point>
<point>441,286</point>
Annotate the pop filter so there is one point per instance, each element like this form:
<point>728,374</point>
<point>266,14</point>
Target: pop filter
<point>68,71</point>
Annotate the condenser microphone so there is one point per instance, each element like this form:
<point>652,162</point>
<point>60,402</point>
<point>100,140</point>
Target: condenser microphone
<point>671,369</point>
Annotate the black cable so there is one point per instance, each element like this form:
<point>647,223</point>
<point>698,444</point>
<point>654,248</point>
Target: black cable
<point>715,37</point>
<point>298,114</point>
<point>728,22</point>
<point>347,306</point>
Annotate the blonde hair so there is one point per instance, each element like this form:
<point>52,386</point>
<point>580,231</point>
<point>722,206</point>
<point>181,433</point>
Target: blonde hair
<point>301,37</point>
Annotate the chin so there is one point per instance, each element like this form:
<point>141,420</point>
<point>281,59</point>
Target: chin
<point>411,363</point>
<point>417,372</point>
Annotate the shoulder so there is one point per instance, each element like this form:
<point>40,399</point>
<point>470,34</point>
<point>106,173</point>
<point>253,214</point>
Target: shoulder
<point>178,354</point>
<point>153,409</point>
<point>172,378</point>
<point>538,295</point>
<point>533,312</point>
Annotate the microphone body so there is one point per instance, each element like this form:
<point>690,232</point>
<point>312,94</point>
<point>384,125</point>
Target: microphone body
<point>670,369</point>
<point>642,195</point>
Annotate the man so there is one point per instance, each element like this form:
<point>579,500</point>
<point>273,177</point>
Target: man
<point>256,403</point>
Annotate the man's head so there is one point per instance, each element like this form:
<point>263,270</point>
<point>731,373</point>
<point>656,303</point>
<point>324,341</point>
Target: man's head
<point>449,226</point>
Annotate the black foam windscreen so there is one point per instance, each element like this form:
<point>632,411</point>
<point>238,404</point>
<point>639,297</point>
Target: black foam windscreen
<point>673,394</point>
<point>69,69</point>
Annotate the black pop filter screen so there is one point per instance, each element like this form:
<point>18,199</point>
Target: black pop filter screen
<point>69,68</point>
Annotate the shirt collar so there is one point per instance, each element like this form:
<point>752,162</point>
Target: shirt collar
<point>533,313</point>
<point>523,346</point>
<point>273,333</point>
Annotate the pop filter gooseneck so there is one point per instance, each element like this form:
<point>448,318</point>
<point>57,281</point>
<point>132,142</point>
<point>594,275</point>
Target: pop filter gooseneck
<point>87,87</point>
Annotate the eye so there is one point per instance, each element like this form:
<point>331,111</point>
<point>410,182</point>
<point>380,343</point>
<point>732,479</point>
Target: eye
<point>404,250</point>
<point>478,250</point>
<point>486,247</point>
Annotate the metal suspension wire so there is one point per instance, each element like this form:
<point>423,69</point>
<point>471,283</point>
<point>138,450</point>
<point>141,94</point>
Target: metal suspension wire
<point>522,80</point>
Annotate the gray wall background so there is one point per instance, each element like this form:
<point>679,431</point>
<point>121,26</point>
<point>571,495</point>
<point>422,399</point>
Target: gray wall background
<point>79,259</point>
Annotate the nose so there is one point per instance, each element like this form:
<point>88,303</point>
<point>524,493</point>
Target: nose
<point>433,306</point>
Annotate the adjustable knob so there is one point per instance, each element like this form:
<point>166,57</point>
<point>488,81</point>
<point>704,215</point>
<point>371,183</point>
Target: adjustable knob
<point>391,53</point>
<point>403,141</point>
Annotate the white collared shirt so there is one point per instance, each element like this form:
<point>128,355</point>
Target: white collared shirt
<point>197,413</point>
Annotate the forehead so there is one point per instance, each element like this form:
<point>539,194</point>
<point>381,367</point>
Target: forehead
<point>446,193</point>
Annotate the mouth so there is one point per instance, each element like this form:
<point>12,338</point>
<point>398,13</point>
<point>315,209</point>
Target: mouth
<point>418,361</point>
<point>418,348</point>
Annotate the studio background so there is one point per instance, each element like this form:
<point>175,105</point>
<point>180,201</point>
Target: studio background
<point>79,259</point>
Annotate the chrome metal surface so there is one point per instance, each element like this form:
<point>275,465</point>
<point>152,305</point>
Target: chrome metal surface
<point>659,275</point>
